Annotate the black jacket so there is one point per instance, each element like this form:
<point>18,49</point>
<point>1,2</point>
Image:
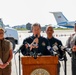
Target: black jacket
<point>42,45</point>
<point>53,41</point>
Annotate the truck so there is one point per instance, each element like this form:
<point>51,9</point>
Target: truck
<point>10,34</point>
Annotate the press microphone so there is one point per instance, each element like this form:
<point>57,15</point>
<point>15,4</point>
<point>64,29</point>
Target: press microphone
<point>68,50</point>
<point>52,52</point>
<point>55,48</point>
<point>28,50</point>
<point>21,47</point>
<point>35,50</point>
<point>35,44</point>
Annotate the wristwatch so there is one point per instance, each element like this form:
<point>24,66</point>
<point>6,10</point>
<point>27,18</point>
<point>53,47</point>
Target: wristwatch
<point>7,63</point>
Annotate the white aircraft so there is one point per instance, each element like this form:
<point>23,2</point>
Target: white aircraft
<point>62,20</point>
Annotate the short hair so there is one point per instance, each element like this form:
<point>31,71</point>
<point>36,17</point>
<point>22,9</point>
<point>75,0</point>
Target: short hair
<point>36,24</point>
<point>2,29</point>
<point>49,26</point>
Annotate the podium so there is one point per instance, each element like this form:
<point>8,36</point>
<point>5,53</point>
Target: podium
<point>43,65</point>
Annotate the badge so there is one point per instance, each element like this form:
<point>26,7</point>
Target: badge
<point>56,43</point>
<point>43,44</point>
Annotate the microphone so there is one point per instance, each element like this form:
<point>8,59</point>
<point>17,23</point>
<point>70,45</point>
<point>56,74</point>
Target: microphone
<point>55,48</point>
<point>68,50</point>
<point>28,52</point>
<point>35,44</point>
<point>21,47</point>
<point>52,52</point>
<point>35,50</point>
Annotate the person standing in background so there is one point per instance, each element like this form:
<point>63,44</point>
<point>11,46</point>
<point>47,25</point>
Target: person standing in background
<point>71,43</point>
<point>6,55</point>
<point>54,41</point>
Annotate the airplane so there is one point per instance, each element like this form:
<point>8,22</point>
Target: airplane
<point>62,20</point>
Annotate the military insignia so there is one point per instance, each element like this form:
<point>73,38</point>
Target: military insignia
<point>56,43</point>
<point>43,44</point>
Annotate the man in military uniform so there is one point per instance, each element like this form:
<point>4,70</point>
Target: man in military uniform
<point>71,43</point>
<point>35,44</point>
<point>54,41</point>
<point>5,55</point>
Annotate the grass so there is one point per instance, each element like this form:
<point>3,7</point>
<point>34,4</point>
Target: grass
<point>21,29</point>
<point>63,28</point>
<point>24,29</point>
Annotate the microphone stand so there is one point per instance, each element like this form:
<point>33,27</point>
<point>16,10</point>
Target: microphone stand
<point>19,64</point>
<point>65,64</point>
<point>18,51</point>
<point>35,53</point>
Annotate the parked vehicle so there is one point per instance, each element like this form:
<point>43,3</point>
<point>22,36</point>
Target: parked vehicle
<point>10,34</point>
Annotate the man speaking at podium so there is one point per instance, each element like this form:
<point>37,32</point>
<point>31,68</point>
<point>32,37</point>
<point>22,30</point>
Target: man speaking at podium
<point>35,44</point>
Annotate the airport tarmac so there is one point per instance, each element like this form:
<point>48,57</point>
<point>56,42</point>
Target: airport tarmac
<point>60,34</point>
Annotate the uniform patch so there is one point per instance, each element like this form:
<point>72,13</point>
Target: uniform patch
<point>56,43</point>
<point>43,44</point>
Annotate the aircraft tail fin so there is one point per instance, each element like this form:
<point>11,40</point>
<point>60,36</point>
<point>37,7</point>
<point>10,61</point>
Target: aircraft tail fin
<point>60,18</point>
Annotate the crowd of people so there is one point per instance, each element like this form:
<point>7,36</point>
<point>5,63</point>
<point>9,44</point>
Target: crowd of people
<point>37,45</point>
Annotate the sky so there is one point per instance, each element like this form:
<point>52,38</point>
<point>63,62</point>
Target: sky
<point>18,12</point>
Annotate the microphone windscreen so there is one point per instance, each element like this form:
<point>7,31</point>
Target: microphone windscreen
<point>49,47</point>
<point>55,48</point>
